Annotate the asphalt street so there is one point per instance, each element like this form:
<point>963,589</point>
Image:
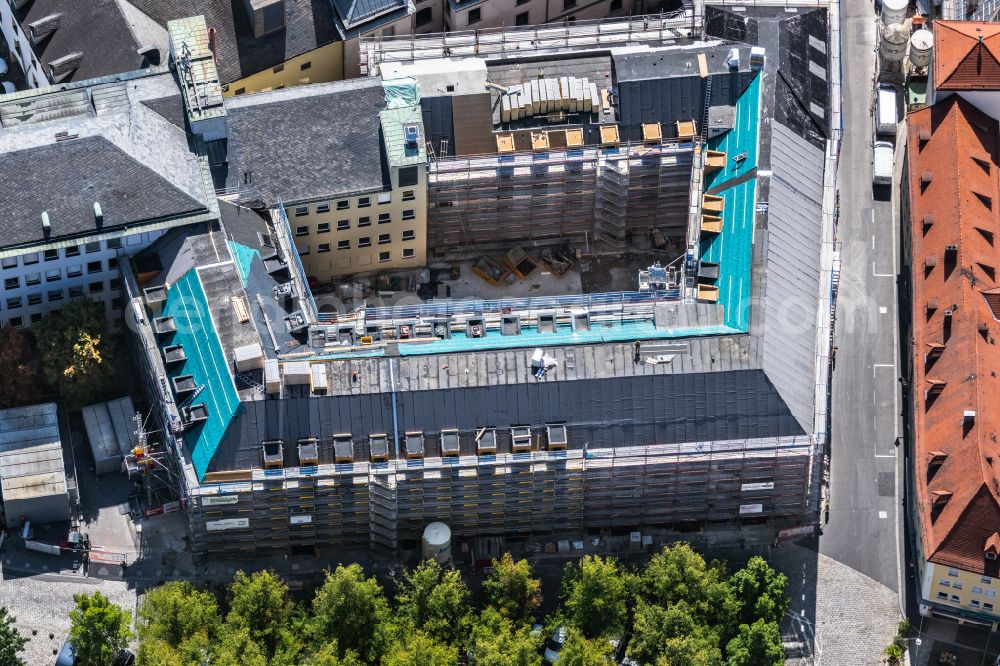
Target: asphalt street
<point>865,478</point>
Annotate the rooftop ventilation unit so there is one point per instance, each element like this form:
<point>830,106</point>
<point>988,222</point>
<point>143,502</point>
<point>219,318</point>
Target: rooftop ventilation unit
<point>62,67</point>
<point>174,355</point>
<point>411,134</point>
<point>38,30</point>
<point>98,214</point>
<point>46,225</point>
<point>378,448</point>
<point>308,451</point>
<point>449,443</point>
<point>273,452</point>
<point>192,415</point>
<point>164,326</point>
<point>414,443</point>
<point>343,448</point>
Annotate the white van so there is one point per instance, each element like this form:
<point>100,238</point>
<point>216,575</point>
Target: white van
<point>885,110</point>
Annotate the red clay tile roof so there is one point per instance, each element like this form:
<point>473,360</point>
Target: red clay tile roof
<point>966,55</point>
<point>954,177</point>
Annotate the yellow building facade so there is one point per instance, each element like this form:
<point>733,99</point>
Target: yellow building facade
<point>321,65</point>
<point>961,590</point>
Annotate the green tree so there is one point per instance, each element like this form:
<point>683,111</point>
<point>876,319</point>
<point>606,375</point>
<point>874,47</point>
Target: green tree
<point>76,352</point>
<point>11,640</point>
<point>595,592</point>
<point>760,591</point>
<point>236,647</point>
<point>757,644</point>
<point>329,654</point>
<point>99,630</point>
<point>679,574</point>
<point>671,635</point>
<point>496,641</point>
<point>21,384</point>
<point>352,610</point>
<point>175,618</point>
<point>155,652</point>
<point>259,602</point>
<point>511,589</point>
<point>419,649</point>
<point>435,600</point>
<point>578,651</point>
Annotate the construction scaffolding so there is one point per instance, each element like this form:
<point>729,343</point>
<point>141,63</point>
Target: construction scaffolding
<point>495,201</point>
<point>534,40</point>
<point>534,494</point>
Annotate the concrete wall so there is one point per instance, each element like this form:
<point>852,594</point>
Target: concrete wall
<point>46,509</point>
<point>320,65</point>
<point>381,231</point>
<point>44,278</point>
<point>19,46</point>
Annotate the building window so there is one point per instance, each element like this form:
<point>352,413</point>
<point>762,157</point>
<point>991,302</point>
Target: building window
<point>114,243</point>
<point>279,68</point>
<point>96,287</point>
<point>117,303</point>
<point>14,303</point>
<point>54,274</point>
<point>988,607</point>
<point>384,239</point>
<point>241,91</point>
<point>974,603</point>
<point>409,195</point>
<point>323,228</point>
<point>343,204</point>
<point>94,267</point>
<point>35,318</point>
<point>524,18</point>
<point>424,16</point>
<point>55,295</point>
<point>304,66</point>
<point>364,221</point>
<point>364,202</point>
<point>384,218</point>
<point>323,208</point>
<point>944,582</point>
<point>957,585</point>
<point>34,299</point>
<point>408,253</point>
<point>51,255</point>
<point>522,2</point>
<point>976,589</point>
<point>115,283</point>
<point>76,270</point>
<point>75,291</point>
<point>323,247</point>
<point>409,176</point>
<point>616,5</point>
<point>991,594</point>
<point>365,241</point>
<point>303,250</point>
<point>32,257</point>
<point>409,234</point>
<point>952,571</point>
<point>301,210</point>
<point>73,251</point>
<point>343,224</point>
<point>409,214</point>
<point>93,247</point>
<point>31,279</point>
<point>475,16</point>
<point>986,580</point>
<point>11,283</point>
<point>385,197</point>
<point>302,231</point>
<point>956,599</point>
<point>344,245</point>
<point>384,256</point>
<point>113,264</point>
<point>9,262</point>
<point>568,4</point>
<point>16,322</point>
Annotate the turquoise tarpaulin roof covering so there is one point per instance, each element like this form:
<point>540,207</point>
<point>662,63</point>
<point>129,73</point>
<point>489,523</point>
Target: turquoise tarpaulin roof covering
<point>243,256</point>
<point>400,92</point>
<point>206,362</point>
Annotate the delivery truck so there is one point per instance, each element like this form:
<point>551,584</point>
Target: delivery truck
<point>885,110</point>
<point>882,163</point>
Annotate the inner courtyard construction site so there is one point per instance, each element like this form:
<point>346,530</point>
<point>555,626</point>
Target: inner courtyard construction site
<point>688,402</point>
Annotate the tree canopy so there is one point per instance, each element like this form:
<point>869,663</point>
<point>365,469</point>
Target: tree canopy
<point>435,600</point>
<point>353,611</point>
<point>757,644</point>
<point>511,588</point>
<point>259,603</point>
<point>99,630</point>
<point>760,591</point>
<point>76,351</point>
<point>11,641</point>
<point>21,385</point>
<point>419,649</point>
<point>497,641</point>
<point>594,593</point>
<point>578,650</point>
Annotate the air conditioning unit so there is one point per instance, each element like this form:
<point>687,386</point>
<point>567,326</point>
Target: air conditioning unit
<point>411,134</point>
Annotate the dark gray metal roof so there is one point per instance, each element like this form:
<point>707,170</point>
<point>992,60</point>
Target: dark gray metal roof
<point>791,293</point>
<point>170,108</point>
<point>354,13</point>
<point>306,143</point>
<point>602,412</point>
<point>309,24</point>
<point>89,169</point>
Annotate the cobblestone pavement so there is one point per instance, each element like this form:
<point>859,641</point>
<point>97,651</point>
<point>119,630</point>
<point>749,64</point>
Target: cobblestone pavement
<point>851,616</point>
<point>42,604</point>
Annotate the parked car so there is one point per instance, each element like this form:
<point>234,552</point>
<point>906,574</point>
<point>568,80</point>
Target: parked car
<point>554,645</point>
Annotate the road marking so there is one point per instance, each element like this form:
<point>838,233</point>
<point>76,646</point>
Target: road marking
<point>877,274</point>
<point>883,515</point>
<point>883,310</point>
<point>873,241</point>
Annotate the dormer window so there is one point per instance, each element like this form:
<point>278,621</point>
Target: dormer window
<point>992,547</point>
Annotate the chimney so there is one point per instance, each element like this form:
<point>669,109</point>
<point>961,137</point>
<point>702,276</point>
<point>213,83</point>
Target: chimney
<point>43,27</point>
<point>968,416</point>
<point>98,214</point>
<point>61,68</point>
<point>211,44</point>
<point>46,225</point>
<point>925,178</point>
